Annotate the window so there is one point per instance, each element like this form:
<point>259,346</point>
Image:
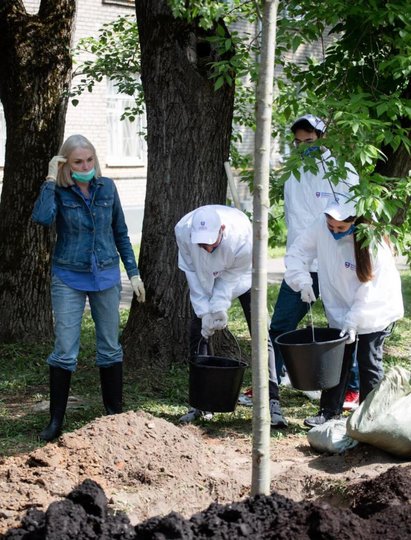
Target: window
<point>126,144</point>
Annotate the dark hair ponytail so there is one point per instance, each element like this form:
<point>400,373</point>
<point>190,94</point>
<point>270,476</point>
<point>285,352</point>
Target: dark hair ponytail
<point>362,257</point>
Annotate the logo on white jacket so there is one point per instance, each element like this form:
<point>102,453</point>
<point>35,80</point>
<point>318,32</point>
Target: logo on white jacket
<point>349,265</point>
<point>322,194</point>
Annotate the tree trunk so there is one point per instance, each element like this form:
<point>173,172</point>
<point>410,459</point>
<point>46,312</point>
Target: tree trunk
<point>261,418</point>
<point>189,128</point>
<point>35,70</point>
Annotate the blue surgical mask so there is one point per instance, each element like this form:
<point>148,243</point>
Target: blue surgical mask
<point>310,150</point>
<point>339,235</point>
<point>83,176</point>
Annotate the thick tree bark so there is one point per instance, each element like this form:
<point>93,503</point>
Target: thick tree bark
<point>189,128</point>
<point>35,69</point>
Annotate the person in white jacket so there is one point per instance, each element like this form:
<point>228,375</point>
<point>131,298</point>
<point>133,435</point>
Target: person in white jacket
<point>215,252</point>
<point>360,290</point>
<point>306,195</point>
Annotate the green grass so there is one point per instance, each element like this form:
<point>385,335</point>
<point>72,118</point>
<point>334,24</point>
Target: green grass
<point>24,383</point>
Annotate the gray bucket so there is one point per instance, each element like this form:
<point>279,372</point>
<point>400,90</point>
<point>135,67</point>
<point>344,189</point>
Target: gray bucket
<point>313,365</point>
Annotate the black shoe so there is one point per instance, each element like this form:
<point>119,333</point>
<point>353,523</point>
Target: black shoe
<point>321,418</point>
<point>277,419</point>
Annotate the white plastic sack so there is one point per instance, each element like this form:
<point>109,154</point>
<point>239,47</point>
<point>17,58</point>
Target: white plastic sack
<point>331,437</point>
<point>384,418</point>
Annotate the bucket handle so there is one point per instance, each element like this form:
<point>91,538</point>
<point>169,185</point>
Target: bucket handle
<point>210,349</point>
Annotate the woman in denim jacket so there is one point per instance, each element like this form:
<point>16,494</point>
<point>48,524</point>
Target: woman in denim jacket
<point>91,237</point>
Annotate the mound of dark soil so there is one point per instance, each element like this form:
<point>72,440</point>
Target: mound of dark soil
<point>391,488</point>
<point>84,515</point>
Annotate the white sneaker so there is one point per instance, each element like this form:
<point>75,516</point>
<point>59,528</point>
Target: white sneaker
<point>245,400</point>
<point>193,414</point>
<point>312,394</point>
<point>285,381</point>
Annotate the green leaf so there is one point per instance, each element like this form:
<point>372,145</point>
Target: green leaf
<point>218,83</point>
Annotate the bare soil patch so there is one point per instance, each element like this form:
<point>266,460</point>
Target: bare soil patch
<point>149,467</point>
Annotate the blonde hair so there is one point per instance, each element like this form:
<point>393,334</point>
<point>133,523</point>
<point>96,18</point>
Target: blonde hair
<point>70,144</point>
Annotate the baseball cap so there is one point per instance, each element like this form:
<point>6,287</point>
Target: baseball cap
<point>205,226</point>
<point>314,122</point>
<point>341,210</point>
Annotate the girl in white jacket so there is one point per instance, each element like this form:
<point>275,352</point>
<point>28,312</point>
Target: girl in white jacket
<point>360,290</point>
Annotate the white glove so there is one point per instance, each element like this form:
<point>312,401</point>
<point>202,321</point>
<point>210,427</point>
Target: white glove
<point>54,165</point>
<point>207,326</point>
<point>307,294</point>
<point>351,335</point>
<point>220,320</point>
<point>138,288</point>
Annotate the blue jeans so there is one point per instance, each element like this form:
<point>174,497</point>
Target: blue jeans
<point>354,380</point>
<point>288,312</point>
<point>68,308</point>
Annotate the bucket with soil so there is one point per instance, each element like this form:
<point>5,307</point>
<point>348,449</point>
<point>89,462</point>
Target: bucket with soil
<point>215,382</point>
<point>313,357</point>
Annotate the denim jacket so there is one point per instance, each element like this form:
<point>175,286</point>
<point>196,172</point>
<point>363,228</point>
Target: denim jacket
<point>81,230</point>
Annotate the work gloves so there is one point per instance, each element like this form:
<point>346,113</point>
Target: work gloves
<point>207,326</point>
<point>54,164</point>
<point>350,332</point>
<point>212,322</point>
<point>307,294</point>
<point>220,320</point>
<point>138,288</point>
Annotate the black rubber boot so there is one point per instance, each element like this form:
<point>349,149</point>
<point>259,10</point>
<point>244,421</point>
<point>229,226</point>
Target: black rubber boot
<point>111,379</point>
<point>59,391</point>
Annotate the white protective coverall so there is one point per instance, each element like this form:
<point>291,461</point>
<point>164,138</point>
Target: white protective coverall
<point>215,279</point>
<point>366,307</point>
<point>305,199</point>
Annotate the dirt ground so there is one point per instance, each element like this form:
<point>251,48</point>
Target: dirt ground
<point>148,467</point>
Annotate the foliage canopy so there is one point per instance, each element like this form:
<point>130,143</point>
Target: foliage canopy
<point>359,83</point>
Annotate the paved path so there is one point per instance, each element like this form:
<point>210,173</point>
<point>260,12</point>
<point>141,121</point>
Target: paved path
<point>275,273</point>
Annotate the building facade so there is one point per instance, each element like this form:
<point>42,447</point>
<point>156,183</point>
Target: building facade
<point>120,146</point>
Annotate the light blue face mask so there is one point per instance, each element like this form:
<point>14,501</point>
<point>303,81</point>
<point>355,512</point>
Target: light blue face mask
<point>310,150</point>
<point>83,176</point>
<point>339,235</point>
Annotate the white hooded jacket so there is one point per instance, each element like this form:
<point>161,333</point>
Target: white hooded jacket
<point>305,199</point>
<point>366,307</point>
<point>215,279</point>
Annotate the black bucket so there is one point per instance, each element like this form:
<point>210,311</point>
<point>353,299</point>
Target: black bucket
<point>215,383</point>
<point>313,365</point>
